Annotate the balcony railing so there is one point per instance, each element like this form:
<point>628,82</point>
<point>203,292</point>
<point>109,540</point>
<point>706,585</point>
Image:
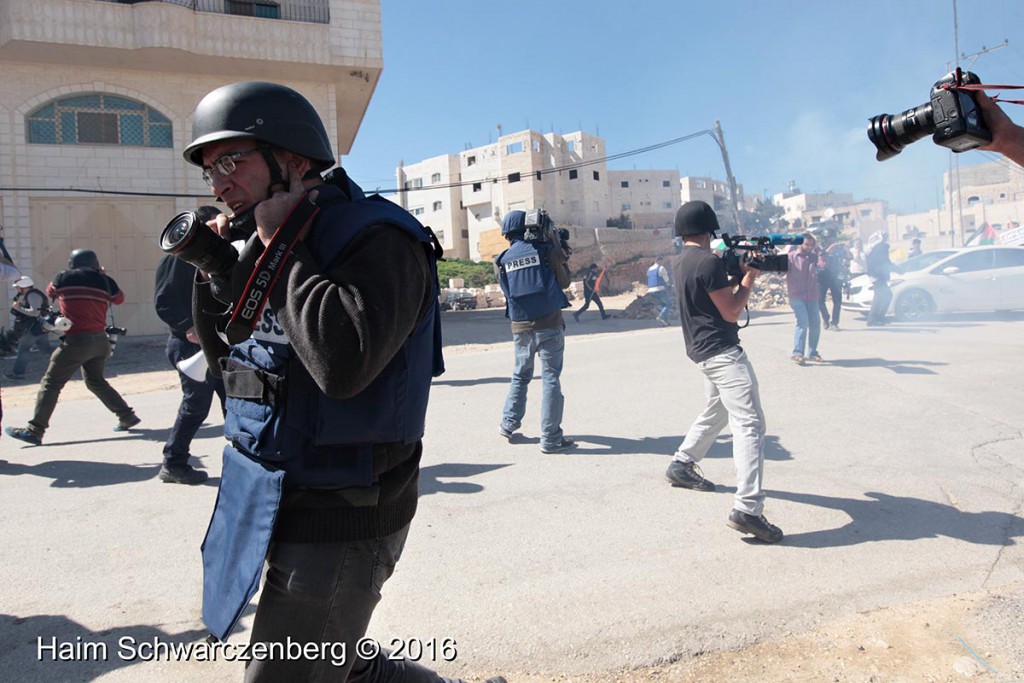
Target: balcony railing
<point>314,11</point>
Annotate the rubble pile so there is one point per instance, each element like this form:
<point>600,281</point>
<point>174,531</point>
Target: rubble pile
<point>769,292</point>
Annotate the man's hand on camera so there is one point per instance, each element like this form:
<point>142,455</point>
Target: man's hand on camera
<point>271,213</point>
<point>749,274</point>
<point>1007,137</point>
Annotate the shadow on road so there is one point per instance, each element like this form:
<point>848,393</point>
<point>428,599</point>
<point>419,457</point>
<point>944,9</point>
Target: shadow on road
<point>900,367</point>
<point>97,653</point>
<point>80,474</point>
<point>432,475</point>
<point>473,382</point>
<point>773,448</point>
<point>899,518</point>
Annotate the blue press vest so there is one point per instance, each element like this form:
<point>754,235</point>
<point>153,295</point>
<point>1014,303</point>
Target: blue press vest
<point>654,278</point>
<point>529,282</point>
<point>318,440</point>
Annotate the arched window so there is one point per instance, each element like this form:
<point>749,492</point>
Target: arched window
<point>98,119</point>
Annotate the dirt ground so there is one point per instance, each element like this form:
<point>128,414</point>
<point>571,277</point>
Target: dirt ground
<point>959,637</point>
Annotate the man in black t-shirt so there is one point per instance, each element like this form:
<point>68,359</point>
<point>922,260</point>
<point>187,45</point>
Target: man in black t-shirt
<point>709,306</point>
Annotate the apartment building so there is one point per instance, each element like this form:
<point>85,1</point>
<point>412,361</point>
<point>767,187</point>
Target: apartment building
<point>991,192</point>
<point>714,193</point>
<point>802,209</point>
<point>97,95</point>
<point>648,199</point>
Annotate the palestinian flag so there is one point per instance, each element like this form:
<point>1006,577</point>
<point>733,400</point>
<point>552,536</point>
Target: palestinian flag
<point>988,235</point>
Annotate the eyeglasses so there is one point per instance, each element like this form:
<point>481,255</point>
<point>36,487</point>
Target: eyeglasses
<point>225,165</point>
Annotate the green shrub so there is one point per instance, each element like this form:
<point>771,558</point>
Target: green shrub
<point>475,274</point>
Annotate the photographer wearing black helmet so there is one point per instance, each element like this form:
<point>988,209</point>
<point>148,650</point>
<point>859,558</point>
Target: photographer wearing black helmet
<point>331,311</point>
<point>85,294</point>
<point>709,306</point>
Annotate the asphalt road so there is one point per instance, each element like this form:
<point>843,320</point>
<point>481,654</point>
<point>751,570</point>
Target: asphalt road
<point>895,469</point>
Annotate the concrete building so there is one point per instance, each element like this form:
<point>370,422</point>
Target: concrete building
<point>563,174</point>
<point>97,96</point>
<point>802,209</point>
<point>648,199</point>
<point>991,192</point>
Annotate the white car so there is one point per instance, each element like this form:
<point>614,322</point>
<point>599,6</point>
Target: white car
<point>988,278</point>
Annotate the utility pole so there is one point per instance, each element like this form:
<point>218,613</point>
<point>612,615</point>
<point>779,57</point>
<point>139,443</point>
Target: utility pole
<point>733,200</point>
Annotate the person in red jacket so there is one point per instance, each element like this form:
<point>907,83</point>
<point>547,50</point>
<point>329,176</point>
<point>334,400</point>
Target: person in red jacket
<point>85,293</point>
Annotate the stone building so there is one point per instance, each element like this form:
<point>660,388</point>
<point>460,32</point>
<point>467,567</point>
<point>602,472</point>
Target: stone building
<point>97,96</point>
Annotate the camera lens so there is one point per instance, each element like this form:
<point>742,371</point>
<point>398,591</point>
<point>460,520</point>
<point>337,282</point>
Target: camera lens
<point>190,240</point>
<point>890,134</point>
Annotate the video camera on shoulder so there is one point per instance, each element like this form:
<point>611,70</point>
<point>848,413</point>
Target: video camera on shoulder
<point>538,227</point>
<point>758,252</point>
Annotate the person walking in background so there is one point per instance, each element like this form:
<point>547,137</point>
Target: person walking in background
<point>658,283</point>
<point>879,268</point>
<point>858,259</point>
<point>833,272</point>
<point>802,287</point>
<point>915,248</point>
<point>173,299</point>
<point>29,307</point>
<point>85,294</point>
<point>592,292</point>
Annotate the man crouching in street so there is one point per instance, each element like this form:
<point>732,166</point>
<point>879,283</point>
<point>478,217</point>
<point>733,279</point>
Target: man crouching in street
<point>326,383</point>
<point>709,306</point>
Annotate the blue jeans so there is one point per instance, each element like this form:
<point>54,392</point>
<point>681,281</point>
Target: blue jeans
<point>663,299</point>
<point>196,399</point>
<point>326,593</point>
<point>550,345</point>
<point>808,324</point>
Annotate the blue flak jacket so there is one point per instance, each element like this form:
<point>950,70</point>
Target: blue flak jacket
<point>528,281</point>
<point>295,435</point>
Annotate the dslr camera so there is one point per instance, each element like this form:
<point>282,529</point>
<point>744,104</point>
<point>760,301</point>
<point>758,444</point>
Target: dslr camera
<point>54,322</point>
<point>758,252</point>
<point>113,332</point>
<point>189,238</point>
<point>951,116</point>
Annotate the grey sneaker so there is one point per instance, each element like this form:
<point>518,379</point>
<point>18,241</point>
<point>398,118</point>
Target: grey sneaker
<point>182,475</point>
<point>127,423</point>
<point>688,476</point>
<point>560,447</point>
<point>506,432</point>
<point>756,525</point>
<point>25,434</point>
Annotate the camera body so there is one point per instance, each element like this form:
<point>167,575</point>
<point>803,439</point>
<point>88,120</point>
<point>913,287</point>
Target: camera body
<point>951,116</point>
<point>113,332</point>
<point>539,227</point>
<point>758,252</point>
<point>55,322</point>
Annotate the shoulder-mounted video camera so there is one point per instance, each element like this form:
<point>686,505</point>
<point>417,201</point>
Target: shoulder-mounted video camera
<point>758,252</point>
<point>539,227</point>
<point>951,117</point>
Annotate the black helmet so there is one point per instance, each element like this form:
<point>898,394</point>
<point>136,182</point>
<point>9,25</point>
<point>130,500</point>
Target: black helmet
<point>267,112</point>
<point>695,218</point>
<point>84,258</point>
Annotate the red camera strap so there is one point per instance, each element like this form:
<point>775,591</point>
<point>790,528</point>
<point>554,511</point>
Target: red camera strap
<point>989,86</point>
<point>267,270</point>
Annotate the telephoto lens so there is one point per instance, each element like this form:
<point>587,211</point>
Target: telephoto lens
<point>193,241</point>
<point>890,134</point>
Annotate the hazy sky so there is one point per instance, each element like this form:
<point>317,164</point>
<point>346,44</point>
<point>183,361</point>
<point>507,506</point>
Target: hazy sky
<point>793,83</point>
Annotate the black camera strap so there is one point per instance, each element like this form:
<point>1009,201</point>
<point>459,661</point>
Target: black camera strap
<point>253,298</point>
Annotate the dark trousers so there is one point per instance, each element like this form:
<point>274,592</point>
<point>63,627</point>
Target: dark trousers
<point>88,352</point>
<point>326,593</point>
<point>196,399</point>
<point>880,303</point>
<point>588,297</point>
<point>835,286</point>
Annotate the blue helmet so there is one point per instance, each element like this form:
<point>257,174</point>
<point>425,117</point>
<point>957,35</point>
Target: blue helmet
<point>514,224</point>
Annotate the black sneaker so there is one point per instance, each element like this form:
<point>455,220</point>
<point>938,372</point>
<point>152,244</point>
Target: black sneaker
<point>11,375</point>
<point>576,316</point>
<point>182,475</point>
<point>25,434</point>
<point>127,423</point>
<point>688,476</point>
<point>756,525</point>
<point>564,445</point>
<point>496,679</point>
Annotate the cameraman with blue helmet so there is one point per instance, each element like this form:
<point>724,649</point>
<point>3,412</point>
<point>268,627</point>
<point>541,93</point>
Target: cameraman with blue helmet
<point>533,275</point>
<point>709,306</point>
